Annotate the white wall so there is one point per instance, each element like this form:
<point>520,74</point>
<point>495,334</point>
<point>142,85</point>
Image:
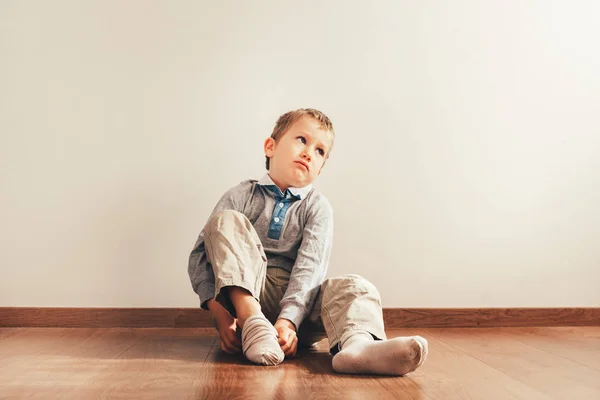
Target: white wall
<point>466,171</point>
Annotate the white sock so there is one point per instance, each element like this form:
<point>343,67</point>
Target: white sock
<point>259,341</point>
<point>361,354</point>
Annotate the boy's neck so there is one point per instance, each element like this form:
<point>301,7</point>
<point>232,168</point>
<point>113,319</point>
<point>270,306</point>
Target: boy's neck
<point>281,187</point>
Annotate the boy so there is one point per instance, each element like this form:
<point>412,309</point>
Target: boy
<point>259,265</point>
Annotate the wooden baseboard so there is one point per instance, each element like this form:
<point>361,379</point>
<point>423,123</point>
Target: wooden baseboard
<point>393,317</point>
<point>489,317</point>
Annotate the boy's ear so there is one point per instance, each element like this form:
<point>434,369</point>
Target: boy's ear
<point>269,147</point>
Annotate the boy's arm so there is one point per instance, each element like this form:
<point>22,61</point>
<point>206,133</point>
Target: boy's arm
<point>311,265</point>
<point>199,269</point>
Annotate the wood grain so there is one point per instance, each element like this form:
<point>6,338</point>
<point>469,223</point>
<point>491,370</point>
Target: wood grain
<point>186,363</point>
<point>393,317</point>
<point>104,317</point>
<point>79,363</point>
<point>451,373</point>
<point>505,351</point>
<point>581,345</point>
<point>490,317</point>
<point>308,376</point>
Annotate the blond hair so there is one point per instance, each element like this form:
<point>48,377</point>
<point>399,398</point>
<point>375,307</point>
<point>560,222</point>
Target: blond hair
<point>288,119</point>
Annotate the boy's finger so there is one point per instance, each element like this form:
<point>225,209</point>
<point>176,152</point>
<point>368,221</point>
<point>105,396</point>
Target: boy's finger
<point>232,348</point>
<point>234,340</point>
<point>289,352</point>
<point>228,345</point>
<point>293,346</point>
<point>224,347</point>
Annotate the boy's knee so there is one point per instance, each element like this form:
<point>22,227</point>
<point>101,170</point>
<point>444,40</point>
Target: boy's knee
<point>350,283</point>
<point>228,214</point>
<point>225,217</point>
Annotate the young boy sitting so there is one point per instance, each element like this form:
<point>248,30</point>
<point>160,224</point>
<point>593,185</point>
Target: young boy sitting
<point>260,262</point>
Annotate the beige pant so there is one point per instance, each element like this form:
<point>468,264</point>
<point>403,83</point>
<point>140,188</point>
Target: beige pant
<point>344,303</point>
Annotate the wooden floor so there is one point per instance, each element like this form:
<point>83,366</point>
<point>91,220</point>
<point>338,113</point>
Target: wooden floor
<point>468,363</point>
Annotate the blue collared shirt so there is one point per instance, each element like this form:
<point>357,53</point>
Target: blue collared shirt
<point>283,200</point>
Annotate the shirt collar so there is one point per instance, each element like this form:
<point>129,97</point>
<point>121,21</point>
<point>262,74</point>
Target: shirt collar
<point>298,192</point>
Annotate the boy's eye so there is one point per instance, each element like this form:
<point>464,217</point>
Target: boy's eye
<point>302,139</point>
<point>321,152</point>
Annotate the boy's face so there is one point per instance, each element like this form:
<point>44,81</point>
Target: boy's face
<point>297,158</point>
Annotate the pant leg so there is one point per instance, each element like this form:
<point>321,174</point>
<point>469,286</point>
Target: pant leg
<point>344,303</point>
<point>311,330</point>
<point>276,284</point>
<point>350,302</point>
<point>236,254</point>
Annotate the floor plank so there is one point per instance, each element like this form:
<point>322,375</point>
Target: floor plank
<point>96,363</point>
<point>162,363</point>
<point>309,375</point>
<point>501,349</point>
<point>451,373</point>
<point>186,363</point>
<point>581,345</point>
<point>56,362</point>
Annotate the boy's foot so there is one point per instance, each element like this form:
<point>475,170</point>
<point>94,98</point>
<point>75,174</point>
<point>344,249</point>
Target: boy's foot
<point>259,341</point>
<point>361,354</point>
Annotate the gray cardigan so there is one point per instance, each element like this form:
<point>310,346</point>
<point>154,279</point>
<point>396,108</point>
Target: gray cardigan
<point>296,230</point>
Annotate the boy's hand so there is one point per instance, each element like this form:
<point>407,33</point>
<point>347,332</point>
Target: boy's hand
<point>288,341</point>
<point>227,327</point>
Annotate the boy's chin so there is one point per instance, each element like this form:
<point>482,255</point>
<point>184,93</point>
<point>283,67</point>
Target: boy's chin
<point>300,183</point>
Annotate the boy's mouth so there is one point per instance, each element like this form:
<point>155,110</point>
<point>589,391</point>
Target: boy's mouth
<point>305,165</point>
